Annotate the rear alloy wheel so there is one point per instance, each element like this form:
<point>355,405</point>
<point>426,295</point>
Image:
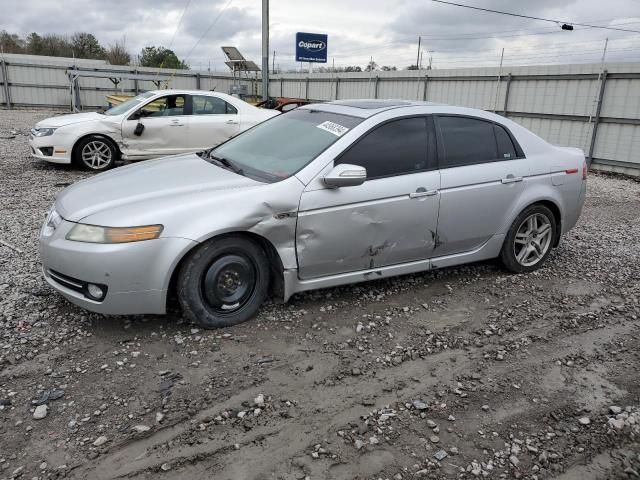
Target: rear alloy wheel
<point>223,282</point>
<point>529,240</point>
<point>96,154</point>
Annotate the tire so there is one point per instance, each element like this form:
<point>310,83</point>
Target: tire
<point>224,282</point>
<point>534,229</point>
<point>95,153</point>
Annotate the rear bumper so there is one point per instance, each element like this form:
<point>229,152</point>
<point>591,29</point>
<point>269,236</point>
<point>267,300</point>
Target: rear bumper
<point>573,218</point>
<point>136,275</point>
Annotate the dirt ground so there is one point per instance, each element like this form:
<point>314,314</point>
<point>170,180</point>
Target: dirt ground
<point>460,373</point>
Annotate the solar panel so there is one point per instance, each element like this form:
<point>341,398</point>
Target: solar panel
<point>233,54</point>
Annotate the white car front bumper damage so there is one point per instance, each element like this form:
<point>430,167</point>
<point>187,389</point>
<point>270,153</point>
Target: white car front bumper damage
<point>50,148</point>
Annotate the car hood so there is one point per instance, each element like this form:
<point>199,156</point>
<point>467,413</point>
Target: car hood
<point>62,120</point>
<point>151,183</point>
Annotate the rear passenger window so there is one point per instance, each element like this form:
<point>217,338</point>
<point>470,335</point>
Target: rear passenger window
<point>467,141</point>
<point>209,105</point>
<point>396,148</point>
<point>506,149</point>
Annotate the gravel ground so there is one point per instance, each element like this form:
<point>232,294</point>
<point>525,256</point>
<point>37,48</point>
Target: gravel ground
<point>461,373</point>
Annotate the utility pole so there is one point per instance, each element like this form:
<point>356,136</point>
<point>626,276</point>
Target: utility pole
<point>265,49</point>
<point>495,104</point>
<point>418,57</point>
<point>273,69</point>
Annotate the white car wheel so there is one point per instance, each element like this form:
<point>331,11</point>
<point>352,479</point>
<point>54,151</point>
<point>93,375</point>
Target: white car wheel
<point>96,153</point>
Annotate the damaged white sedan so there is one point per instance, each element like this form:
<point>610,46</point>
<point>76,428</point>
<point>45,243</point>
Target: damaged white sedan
<point>153,124</point>
<point>324,195</point>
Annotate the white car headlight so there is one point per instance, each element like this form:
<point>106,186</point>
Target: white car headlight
<point>96,234</point>
<point>51,223</point>
<point>42,132</point>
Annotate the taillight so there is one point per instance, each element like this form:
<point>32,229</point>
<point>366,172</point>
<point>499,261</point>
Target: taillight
<point>584,170</point>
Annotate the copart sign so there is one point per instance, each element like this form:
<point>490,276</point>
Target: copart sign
<point>311,47</point>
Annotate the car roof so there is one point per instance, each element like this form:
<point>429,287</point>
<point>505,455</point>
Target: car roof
<point>365,108</point>
<point>176,91</point>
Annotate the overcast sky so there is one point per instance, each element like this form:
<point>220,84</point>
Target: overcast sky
<point>358,29</point>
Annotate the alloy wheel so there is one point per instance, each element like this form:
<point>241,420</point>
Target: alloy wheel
<point>532,240</point>
<point>96,155</point>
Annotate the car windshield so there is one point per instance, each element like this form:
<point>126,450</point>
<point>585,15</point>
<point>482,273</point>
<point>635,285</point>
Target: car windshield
<point>279,147</point>
<point>129,104</point>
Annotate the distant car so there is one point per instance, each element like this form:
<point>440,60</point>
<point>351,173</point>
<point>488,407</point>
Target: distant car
<point>324,195</point>
<point>153,124</point>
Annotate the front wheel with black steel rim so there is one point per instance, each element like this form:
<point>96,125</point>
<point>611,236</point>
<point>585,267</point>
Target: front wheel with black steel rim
<point>529,240</point>
<point>223,282</point>
<point>95,153</point>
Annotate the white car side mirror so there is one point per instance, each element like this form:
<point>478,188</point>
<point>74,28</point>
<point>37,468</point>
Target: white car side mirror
<point>345,175</point>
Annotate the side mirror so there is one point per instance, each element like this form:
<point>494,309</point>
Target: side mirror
<point>345,175</point>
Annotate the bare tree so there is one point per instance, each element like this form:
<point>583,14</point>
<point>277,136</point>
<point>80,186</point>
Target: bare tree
<point>116,54</point>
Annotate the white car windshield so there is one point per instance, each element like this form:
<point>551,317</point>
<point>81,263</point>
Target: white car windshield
<point>129,104</point>
<point>279,147</point>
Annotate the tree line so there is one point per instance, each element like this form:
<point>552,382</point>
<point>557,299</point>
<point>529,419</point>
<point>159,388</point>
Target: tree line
<point>86,45</point>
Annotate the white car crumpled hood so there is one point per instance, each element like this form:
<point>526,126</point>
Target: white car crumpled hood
<point>62,120</point>
<point>153,183</point>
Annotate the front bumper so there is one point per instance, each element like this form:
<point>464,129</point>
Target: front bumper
<point>136,274</point>
<point>59,153</point>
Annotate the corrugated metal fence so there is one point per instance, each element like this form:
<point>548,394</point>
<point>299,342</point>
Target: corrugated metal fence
<point>583,106</point>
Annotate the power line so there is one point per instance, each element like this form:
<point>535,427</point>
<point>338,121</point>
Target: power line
<point>215,20</point>
<point>184,10</point>
<point>516,33</point>
<point>533,18</point>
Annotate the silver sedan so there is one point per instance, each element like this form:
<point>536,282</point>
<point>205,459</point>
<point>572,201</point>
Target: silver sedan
<point>324,195</point>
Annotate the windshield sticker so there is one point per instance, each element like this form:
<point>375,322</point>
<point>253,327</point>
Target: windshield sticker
<point>336,129</point>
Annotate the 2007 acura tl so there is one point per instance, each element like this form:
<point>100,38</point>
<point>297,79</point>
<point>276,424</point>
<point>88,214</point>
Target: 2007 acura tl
<point>324,195</point>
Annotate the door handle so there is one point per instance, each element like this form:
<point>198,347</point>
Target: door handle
<point>231,122</point>
<point>511,179</point>
<point>176,123</point>
<point>423,193</point>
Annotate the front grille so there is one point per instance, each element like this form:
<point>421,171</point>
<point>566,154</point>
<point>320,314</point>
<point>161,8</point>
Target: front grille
<point>67,281</point>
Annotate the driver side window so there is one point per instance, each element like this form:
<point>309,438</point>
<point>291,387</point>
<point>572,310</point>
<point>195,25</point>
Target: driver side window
<point>168,106</point>
<point>398,147</point>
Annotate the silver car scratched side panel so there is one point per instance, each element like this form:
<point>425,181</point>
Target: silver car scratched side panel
<point>371,225</point>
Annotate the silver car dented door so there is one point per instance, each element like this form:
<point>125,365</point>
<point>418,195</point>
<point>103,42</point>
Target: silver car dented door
<point>482,169</point>
<point>385,221</point>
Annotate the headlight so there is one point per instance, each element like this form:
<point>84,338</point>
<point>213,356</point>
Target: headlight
<point>51,223</point>
<point>42,132</point>
<point>95,234</point>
